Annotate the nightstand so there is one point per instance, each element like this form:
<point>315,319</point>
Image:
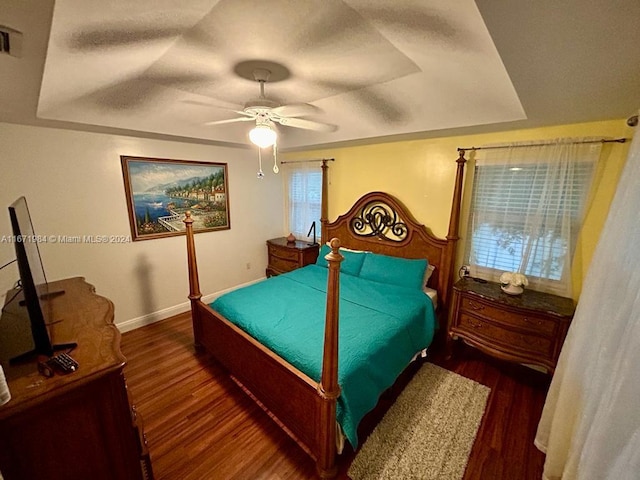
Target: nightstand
<point>286,256</point>
<point>529,328</point>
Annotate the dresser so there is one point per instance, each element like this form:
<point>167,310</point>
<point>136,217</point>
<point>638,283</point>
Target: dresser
<point>81,425</point>
<point>286,256</point>
<point>529,328</point>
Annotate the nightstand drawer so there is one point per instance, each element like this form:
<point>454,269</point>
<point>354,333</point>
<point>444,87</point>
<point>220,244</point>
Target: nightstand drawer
<point>282,265</point>
<point>285,256</point>
<point>485,330</point>
<point>521,320</point>
<point>284,253</point>
<point>528,328</point>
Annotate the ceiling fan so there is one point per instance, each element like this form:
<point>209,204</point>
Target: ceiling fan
<point>266,112</point>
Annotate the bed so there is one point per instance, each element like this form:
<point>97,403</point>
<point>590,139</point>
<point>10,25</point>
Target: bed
<point>298,378</point>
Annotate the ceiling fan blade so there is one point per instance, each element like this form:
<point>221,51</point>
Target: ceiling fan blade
<point>231,120</point>
<point>296,110</point>
<point>307,124</point>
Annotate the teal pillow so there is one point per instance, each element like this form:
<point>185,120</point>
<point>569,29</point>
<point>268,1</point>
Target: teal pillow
<point>404,272</point>
<point>351,264</point>
<point>324,251</point>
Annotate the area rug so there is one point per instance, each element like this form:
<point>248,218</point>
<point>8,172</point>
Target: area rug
<point>428,432</point>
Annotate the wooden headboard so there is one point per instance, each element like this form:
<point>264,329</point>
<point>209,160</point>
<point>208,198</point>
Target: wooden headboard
<point>378,222</point>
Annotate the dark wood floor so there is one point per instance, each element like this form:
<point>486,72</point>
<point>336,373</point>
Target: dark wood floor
<point>201,426</point>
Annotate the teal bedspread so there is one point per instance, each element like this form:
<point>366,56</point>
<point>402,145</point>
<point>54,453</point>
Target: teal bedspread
<point>381,328</point>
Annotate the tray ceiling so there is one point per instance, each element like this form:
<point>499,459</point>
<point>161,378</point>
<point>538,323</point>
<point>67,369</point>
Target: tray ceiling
<point>372,68</point>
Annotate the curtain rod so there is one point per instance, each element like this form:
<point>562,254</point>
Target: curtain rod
<point>311,160</point>
<point>603,140</point>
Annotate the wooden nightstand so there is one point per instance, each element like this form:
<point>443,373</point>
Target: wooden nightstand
<point>528,328</point>
<point>285,256</point>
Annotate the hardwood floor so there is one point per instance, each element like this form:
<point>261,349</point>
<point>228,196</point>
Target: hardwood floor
<point>201,426</point>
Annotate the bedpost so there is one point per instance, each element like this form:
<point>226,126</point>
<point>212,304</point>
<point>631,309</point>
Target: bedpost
<point>454,223</point>
<point>328,388</point>
<point>194,284</point>
<point>324,208</point>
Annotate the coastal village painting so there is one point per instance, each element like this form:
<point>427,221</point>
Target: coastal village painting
<point>160,191</point>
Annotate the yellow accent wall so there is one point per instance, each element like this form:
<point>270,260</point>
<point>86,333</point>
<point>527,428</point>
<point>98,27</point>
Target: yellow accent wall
<point>421,174</point>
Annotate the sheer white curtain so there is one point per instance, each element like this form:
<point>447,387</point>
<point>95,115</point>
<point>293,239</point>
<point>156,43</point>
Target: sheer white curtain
<point>590,425</point>
<point>527,209</point>
<point>303,197</point>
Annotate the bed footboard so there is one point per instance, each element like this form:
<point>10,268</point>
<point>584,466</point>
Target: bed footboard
<point>305,407</point>
<point>287,393</point>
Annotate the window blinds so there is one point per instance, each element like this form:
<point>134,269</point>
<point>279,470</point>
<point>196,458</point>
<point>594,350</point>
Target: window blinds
<point>304,198</point>
<point>526,212</point>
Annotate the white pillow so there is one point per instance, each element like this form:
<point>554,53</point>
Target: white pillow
<point>427,274</point>
<point>430,292</point>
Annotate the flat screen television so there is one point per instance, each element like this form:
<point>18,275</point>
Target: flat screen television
<point>33,283</point>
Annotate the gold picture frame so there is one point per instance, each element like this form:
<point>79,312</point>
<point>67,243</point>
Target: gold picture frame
<point>159,191</point>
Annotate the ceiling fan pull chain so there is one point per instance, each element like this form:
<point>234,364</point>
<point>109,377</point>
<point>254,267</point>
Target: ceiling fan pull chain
<point>275,159</point>
<point>260,172</point>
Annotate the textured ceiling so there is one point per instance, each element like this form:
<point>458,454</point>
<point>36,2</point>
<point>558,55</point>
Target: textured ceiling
<point>373,68</point>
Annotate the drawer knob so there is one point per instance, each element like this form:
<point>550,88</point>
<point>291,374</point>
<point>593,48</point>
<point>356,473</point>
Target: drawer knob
<point>475,324</point>
<point>475,306</point>
<point>527,320</point>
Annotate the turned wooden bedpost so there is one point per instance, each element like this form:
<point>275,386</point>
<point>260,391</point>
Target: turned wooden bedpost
<point>194,283</point>
<point>324,207</point>
<point>454,223</point>
<point>328,387</point>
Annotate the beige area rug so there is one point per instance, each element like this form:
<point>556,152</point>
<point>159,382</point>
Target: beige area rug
<point>428,432</point>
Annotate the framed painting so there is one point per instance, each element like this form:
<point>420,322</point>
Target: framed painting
<point>160,191</point>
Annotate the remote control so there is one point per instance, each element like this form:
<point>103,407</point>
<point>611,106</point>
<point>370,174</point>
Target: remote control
<point>63,363</point>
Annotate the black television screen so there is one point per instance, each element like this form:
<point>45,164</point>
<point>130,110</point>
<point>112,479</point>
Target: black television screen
<point>33,282</point>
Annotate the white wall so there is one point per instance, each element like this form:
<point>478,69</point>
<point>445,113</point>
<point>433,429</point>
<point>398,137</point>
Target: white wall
<point>74,186</point>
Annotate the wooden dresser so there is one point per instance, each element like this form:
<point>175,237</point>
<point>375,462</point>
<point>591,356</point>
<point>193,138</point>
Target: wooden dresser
<point>81,425</point>
<point>528,328</point>
<point>286,256</point>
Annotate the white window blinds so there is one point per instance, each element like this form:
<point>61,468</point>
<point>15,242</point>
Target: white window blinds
<point>527,209</point>
<point>304,198</point>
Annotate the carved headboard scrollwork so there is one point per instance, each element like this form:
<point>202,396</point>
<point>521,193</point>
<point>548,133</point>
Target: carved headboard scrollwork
<point>378,222</point>
<point>379,219</point>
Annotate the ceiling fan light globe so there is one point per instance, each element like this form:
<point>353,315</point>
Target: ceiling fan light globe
<point>263,136</point>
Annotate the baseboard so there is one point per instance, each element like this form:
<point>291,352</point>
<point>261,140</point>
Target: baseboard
<point>154,317</point>
<point>169,312</point>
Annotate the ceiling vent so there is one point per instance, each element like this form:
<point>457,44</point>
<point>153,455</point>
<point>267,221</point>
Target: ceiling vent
<point>10,41</point>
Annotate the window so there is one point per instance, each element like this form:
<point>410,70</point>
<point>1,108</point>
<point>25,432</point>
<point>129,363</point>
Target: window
<point>304,198</point>
<point>527,210</point>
